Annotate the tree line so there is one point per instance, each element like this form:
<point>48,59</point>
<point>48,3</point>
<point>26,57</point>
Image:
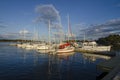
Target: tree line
<point>113,40</point>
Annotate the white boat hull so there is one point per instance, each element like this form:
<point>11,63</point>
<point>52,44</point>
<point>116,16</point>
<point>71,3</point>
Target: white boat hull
<point>65,50</point>
<point>42,47</point>
<point>97,48</point>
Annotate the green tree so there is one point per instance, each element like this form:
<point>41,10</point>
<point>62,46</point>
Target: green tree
<point>113,40</point>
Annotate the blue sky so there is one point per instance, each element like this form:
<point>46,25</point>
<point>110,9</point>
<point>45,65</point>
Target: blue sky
<point>17,15</point>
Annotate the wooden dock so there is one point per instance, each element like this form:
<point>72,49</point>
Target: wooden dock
<point>112,74</point>
<point>109,65</point>
<point>112,66</point>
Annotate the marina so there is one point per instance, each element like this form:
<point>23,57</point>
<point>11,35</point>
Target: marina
<point>59,40</point>
<point>23,64</point>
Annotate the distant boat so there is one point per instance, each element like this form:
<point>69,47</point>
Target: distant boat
<point>43,47</point>
<point>29,46</point>
<point>21,45</point>
<point>92,46</point>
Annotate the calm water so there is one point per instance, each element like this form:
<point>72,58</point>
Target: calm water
<point>21,64</point>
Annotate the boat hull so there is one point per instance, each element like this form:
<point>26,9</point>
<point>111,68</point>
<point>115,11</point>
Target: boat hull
<point>65,50</point>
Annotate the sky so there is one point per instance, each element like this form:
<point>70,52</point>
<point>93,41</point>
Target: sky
<point>93,18</point>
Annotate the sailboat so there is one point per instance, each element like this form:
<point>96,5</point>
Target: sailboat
<point>65,50</point>
<point>66,47</point>
<point>45,46</point>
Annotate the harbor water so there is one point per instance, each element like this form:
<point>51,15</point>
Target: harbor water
<point>21,64</point>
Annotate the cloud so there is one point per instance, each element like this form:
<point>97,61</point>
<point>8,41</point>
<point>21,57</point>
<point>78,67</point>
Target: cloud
<point>46,13</point>
<point>9,36</point>
<point>24,32</point>
<point>104,29</point>
<point>1,36</point>
<point>113,22</point>
<point>2,24</point>
<point>56,26</point>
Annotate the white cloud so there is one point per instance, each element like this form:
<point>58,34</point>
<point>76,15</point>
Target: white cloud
<point>104,29</point>
<point>24,32</point>
<point>46,13</point>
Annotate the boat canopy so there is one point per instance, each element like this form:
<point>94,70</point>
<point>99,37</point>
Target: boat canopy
<point>64,45</point>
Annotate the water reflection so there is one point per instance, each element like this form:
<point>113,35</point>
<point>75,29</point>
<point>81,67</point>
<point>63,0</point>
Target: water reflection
<point>43,51</point>
<point>65,55</point>
<point>94,57</point>
<point>21,64</point>
<point>54,65</point>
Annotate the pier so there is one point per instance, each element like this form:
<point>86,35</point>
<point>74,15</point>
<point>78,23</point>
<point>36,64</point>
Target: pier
<point>111,66</point>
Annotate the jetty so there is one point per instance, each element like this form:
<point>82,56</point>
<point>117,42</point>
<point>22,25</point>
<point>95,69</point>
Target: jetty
<point>111,66</point>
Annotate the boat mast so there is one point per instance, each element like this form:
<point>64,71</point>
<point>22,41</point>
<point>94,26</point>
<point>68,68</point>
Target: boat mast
<point>84,36</point>
<point>49,31</point>
<point>24,37</point>
<point>68,27</point>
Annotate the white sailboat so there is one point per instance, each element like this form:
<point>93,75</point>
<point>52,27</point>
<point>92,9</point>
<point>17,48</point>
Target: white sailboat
<point>65,50</point>
<point>67,46</point>
<point>45,46</point>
